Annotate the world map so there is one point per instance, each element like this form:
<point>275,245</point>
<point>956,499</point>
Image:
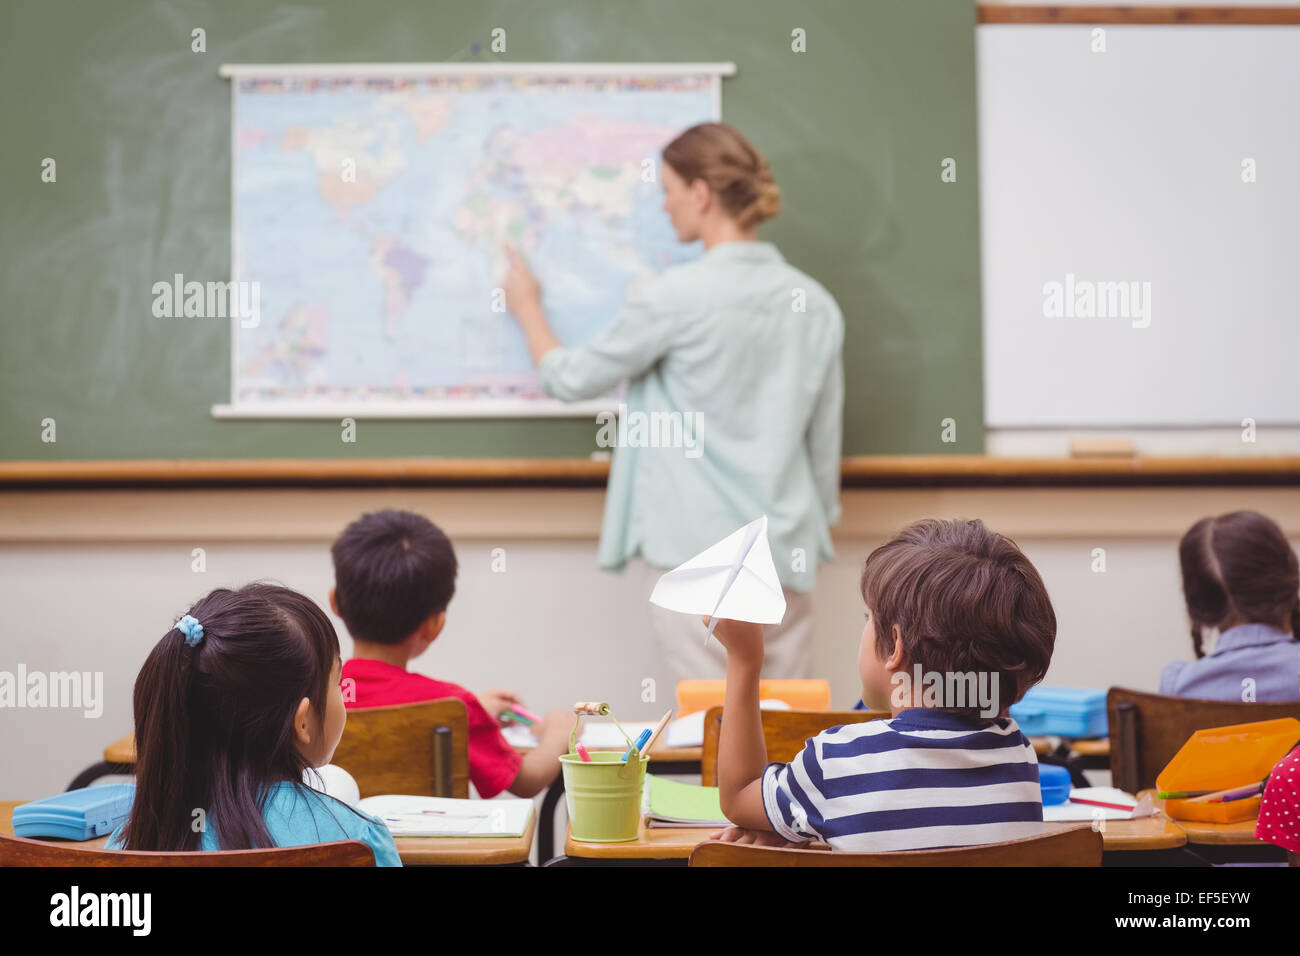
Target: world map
<point>373,213</point>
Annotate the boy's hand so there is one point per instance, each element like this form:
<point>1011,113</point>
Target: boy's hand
<point>497,702</point>
<point>555,727</point>
<point>740,638</point>
<point>751,837</point>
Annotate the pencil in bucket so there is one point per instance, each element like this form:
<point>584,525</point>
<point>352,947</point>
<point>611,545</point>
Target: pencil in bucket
<point>603,794</point>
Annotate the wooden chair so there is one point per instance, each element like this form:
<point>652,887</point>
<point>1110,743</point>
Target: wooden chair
<point>784,731</point>
<point>1072,846</point>
<point>20,851</point>
<point>1146,730</point>
<point>396,749</point>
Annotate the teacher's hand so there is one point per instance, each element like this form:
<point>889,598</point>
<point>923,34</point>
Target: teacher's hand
<point>523,291</point>
<point>524,300</point>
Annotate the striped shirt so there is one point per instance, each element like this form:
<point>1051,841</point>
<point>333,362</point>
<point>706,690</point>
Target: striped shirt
<point>922,780</point>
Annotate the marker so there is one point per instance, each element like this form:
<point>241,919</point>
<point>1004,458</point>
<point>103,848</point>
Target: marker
<point>582,752</point>
<point>512,718</point>
<point>641,738</point>
<point>526,715</point>
<point>1100,803</point>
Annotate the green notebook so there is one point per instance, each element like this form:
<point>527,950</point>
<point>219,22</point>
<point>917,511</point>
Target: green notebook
<point>672,804</point>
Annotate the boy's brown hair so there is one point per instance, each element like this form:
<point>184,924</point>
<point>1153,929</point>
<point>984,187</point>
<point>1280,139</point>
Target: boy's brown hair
<point>965,600</point>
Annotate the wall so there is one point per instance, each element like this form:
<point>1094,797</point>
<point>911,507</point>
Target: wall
<point>91,580</point>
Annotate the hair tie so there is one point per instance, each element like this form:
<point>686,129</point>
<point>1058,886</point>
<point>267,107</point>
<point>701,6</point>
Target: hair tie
<point>191,628</point>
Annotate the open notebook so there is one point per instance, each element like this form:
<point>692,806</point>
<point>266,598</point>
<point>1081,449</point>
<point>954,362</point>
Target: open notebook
<point>667,803</point>
<point>1076,809</point>
<point>447,817</point>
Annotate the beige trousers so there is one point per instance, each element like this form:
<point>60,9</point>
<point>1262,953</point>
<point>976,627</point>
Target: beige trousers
<point>683,654</point>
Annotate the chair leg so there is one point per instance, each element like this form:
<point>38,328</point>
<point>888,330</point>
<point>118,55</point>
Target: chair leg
<point>546,825</point>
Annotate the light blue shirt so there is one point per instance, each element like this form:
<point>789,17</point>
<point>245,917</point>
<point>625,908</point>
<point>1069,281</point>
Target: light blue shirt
<point>298,816</point>
<point>733,361</point>
<point>1269,657</point>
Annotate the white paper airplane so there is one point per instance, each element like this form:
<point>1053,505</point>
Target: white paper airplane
<point>734,579</point>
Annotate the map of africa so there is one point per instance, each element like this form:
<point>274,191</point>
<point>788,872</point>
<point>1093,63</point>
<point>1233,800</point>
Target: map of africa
<point>372,212</point>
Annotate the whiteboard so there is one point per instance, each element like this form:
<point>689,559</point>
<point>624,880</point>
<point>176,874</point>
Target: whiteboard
<point>371,205</point>
<point>1126,166</point>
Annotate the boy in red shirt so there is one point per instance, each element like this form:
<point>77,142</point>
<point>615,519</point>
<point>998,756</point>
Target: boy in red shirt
<point>394,575</point>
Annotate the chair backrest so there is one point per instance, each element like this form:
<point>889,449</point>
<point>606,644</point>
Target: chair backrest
<point>800,694</point>
<point>20,851</point>
<point>392,749</point>
<point>1146,730</point>
<point>1068,846</point>
<point>784,731</point>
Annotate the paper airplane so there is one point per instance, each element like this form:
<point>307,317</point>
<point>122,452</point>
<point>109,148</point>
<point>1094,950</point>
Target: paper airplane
<point>734,579</point>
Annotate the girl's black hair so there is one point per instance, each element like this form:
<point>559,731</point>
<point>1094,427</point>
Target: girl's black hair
<point>1239,566</point>
<point>214,722</point>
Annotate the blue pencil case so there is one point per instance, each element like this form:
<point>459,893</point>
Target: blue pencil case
<point>76,815</point>
<point>1054,782</point>
<point>1061,712</point>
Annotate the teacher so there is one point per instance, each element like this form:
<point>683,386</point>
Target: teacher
<point>745,351</point>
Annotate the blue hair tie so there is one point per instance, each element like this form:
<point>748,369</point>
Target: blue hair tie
<point>191,628</point>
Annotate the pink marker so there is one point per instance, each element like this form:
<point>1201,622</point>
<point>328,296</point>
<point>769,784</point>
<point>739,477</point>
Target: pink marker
<point>582,752</point>
<point>525,714</point>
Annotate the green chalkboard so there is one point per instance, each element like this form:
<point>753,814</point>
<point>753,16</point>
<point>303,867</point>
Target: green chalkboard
<point>856,128</point>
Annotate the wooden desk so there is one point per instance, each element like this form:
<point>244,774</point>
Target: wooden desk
<point>1241,833</point>
<point>1091,748</point>
<point>672,843</point>
<point>414,851</point>
<point>467,851</point>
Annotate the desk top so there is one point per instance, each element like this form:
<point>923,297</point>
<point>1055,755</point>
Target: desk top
<point>414,851</point>
<point>1241,833</point>
<point>123,751</point>
<point>672,843</point>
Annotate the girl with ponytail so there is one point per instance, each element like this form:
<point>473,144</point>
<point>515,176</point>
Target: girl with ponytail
<point>1241,578</point>
<point>232,706</point>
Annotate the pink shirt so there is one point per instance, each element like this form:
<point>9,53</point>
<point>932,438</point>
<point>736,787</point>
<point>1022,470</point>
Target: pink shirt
<point>1279,811</point>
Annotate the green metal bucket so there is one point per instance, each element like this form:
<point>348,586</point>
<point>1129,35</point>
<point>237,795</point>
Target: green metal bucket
<point>604,795</point>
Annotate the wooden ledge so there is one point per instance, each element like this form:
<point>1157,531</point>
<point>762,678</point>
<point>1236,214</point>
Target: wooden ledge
<point>857,471</point>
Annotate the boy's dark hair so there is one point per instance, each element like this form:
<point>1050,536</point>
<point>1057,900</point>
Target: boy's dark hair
<point>392,571</point>
<point>1239,565</point>
<point>965,600</point>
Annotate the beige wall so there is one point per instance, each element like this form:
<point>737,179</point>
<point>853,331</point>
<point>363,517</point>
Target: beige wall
<point>90,580</point>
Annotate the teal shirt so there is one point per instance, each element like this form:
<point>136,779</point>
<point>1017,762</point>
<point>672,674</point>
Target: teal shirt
<point>745,351</point>
<point>299,816</point>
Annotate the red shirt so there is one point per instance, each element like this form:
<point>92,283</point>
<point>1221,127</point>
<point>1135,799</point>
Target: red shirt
<point>1279,811</point>
<point>493,763</point>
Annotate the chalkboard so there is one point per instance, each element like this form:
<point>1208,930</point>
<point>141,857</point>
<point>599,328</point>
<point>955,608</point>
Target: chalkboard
<point>858,126</point>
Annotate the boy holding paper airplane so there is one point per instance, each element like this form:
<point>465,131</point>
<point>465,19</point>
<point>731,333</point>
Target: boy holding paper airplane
<point>958,627</point>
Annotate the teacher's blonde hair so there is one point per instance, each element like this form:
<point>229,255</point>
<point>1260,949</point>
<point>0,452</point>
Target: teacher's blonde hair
<point>731,167</point>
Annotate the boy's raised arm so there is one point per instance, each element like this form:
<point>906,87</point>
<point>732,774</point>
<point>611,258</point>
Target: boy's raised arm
<point>742,753</point>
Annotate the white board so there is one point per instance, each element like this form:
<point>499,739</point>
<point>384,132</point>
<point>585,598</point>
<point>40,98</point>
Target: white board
<point>1127,166</point>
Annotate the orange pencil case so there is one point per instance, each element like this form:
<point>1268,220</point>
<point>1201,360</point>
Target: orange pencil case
<point>807,694</point>
<point>1220,758</point>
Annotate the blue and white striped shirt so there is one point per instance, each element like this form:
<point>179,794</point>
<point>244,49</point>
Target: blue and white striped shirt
<point>922,780</point>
